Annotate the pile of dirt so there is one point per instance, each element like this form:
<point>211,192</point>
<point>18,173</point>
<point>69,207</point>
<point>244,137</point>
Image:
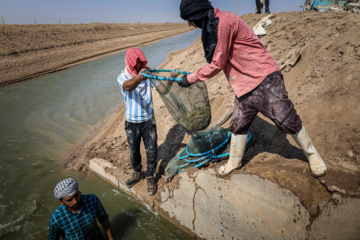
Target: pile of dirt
<point>29,51</point>
<point>319,54</point>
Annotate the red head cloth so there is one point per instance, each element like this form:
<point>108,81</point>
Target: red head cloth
<point>131,55</point>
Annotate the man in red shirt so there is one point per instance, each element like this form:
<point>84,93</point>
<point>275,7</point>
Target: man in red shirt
<point>230,45</point>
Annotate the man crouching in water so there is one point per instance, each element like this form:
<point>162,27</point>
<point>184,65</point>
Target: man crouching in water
<point>77,216</point>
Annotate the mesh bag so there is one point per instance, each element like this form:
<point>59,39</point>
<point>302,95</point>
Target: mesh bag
<point>204,143</point>
<point>202,148</point>
<point>213,145</point>
<point>190,107</point>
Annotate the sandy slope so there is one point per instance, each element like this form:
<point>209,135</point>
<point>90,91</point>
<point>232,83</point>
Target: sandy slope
<point>28,51</point>
<point>323,84</point>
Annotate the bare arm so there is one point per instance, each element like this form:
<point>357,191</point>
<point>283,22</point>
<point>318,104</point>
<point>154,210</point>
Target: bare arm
<point>107,227</point>
<point>130,85</point>
<point>165,86</point>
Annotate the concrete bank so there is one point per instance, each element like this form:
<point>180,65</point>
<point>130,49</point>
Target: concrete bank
<point>242,207</point>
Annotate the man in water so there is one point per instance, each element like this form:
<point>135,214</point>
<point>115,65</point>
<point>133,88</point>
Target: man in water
<point>77,216</point>
<point>139,117</point>
<point>230,45</point>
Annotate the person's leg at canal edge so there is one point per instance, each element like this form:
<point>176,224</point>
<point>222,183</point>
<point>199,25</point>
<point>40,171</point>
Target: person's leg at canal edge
<point>150,143</point>
<point>133,134</point>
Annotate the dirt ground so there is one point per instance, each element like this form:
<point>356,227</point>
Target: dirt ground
<point>319,54</point>
<point>28,51</point>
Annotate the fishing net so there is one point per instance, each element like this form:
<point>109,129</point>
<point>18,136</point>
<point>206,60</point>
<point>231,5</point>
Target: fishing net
<point>190,106</point>
<point>212,145</point>
<point>204,143</point>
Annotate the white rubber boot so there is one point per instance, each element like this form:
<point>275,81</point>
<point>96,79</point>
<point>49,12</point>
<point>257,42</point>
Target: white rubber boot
<point>317,165</point>
<point>237,149</point>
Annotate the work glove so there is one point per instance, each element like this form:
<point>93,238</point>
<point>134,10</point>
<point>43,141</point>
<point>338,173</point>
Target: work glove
<point>184,82</point>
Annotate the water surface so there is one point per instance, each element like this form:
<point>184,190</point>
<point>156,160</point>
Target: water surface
<point>43,117</point>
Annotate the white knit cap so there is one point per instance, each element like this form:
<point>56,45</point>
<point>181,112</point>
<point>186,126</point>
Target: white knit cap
<point>65,188</point>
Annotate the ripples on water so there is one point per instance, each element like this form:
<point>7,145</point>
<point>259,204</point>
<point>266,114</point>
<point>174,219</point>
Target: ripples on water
<point>40,119</point>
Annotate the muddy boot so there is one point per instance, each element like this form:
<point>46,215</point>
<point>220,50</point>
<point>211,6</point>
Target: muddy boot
<point>317,165</point>
<point>136,177</point>
<point>237,149</point>
<point>152,185</point>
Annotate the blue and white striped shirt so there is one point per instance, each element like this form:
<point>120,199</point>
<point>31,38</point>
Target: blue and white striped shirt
<point>139,102</point>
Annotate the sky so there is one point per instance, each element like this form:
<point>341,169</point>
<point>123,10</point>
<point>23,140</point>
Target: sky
<point>118,11</point>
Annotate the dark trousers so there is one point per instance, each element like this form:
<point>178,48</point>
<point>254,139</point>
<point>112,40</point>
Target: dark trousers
<point>146,131</point>
<point>271,99</point>
<point>259,5</point>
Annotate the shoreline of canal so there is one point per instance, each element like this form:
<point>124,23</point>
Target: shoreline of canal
<point>42,49</point>
<point>275,165</point>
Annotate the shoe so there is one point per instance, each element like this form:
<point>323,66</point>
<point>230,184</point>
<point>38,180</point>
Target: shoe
<point>237,150</point>
<point>317,165</point>
<point>152,185</point>
<point>267,10</point>
<point>136,177</point>
<point>258,12</point>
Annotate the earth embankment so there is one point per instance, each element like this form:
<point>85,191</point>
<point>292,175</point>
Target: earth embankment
<point>28,51</point>
<point>319,54</point>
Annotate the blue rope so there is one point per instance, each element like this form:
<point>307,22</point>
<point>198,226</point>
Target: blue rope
<point>198,159</point>
<point>207,157</point>
<point>180,157</point>
<point>200,164</point>
<point>147,75</point>
<point>211,151</point>
<point>184,165</point>
<point>222,155</point>
<point>227,154</point>
<point>249,138</point>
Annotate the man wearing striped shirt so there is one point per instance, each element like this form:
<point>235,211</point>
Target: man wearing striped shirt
<point>139,117</point>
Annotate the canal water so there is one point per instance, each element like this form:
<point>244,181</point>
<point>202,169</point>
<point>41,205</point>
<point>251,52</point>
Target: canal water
<point>43,117</point>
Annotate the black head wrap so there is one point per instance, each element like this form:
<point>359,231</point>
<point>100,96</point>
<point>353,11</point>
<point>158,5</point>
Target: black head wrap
<point>201,12</point>
<point>194,9</point>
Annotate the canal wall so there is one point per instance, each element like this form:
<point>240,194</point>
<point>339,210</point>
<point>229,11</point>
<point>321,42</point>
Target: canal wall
<point>241,207</point>
<point>274,195</point>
